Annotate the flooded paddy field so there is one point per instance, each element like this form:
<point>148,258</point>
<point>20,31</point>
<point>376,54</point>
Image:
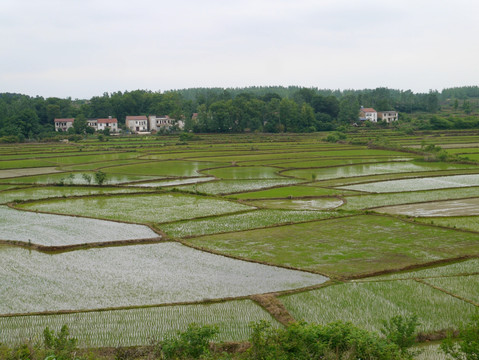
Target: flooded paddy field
<point>234,217</point>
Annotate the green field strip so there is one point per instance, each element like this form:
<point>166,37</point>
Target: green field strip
<point>143,208</point>
<point>345,247</point>
<point>295,191</point>
<point>366,201</point>
<point>222,187</point>
<point>463,287</point>
<point>44,192</point>
<point>469,223</point>
<point>457,268</point>
<point>367,304</point>
<point>139,326</point>
<point>244,221</point>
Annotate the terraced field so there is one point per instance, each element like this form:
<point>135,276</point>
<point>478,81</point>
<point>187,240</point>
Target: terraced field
<point>201,232</point>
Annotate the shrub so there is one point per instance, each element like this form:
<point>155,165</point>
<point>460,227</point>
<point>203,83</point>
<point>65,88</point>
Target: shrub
<point>59,346</point>
<point>467,348</point>
<point>190,344</point>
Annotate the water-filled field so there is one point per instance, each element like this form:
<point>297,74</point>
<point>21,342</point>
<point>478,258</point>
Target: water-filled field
<point>57,230</point>
<point>291,200</point>
<point>132,275</point>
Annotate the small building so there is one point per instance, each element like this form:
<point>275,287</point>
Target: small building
<point>162,122</point>
<point>388,116</point>
<point>110,123</point>
<point>92,123</point>
<point>368,114</point>
<point>137,124</point>
<point>63,124</point>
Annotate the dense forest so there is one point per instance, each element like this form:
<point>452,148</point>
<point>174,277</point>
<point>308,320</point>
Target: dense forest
<point>260,109</point>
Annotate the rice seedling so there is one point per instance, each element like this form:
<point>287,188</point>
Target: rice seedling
<point>470,223</point>
<point>243,221</point>
<point>45,192</point>
<point>133,275</point>
<point>365,201</point>
<point>371,169</point>
<point>466,287</point>
<point>154,208</point>
<point>345,246</point>
<point>58,230</point>
<point>236,186</point>
<point>457,268</point>
<point>426,183</point>
<point>438,208</point>
<point>299,204</point>
<point>139,326</point>
<point>367,304</point>
<point>11,173</point>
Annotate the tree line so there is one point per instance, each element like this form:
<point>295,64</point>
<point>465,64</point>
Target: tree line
<point>262,109</point>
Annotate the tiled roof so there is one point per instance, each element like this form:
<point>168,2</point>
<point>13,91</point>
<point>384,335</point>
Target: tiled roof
<point>368,110</point>
<point>140,117</point>
<point>106,121</point>
<point>64,120</point>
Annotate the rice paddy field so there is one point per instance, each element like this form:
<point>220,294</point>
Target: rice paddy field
<point>198,232</point>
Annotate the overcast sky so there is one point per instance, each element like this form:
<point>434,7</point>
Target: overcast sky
<point>83,48</point>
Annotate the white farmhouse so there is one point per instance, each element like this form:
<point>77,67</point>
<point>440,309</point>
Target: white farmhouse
<point>388,116</point>
<point>92,123</point>
<point>63,124</point>
<point>110,123</point>
<point>137,124</point>
<point>368,114</point>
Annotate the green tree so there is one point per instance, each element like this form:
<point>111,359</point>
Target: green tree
<point>348,109</point>
<point>80,124</point>
<point>100,177</point>
<point>60,346</point>
<point>193,343</point>
<point>467,347</point>
<point>402,331</point>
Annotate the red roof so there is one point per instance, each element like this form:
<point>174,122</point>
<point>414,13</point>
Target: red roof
<point>106,121</point>
<point>140,117</point>
<point>368,110</point>
<point>64,120</point>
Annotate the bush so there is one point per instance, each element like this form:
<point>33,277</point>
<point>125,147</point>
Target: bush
<point>401,331</point>
<point>100,177</point>
<point>337,340</point>
<point>190,344</point>
<point>467,348</point>
<point>59,346</point>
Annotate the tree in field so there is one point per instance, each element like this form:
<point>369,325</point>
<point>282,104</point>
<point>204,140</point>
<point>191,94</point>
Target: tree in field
<point>80,124</point>
<point>467,347</point>
<point>348,109</point>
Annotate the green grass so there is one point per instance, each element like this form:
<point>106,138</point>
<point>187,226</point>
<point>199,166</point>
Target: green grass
<point>290,191</point>
<point>346,246</point>
<point>36,193</point>
<point>139,326</point>
<point>245,172</point>
<point>466,287</point>
<point>371,169</point>
<point>163,168</point>
<point>375,200</point>
<point>323,203</point>
<point>245,221</point>
<point>367,304</point>
<point>154,208</point>
<point>76,178</point>
<point>236,186</point>
<point>457,268</point>
<point>470,223</point>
